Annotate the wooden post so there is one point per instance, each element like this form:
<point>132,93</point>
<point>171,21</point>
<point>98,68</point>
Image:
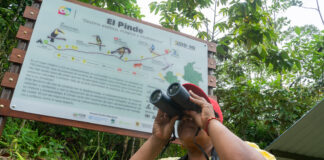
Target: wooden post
<point>17,56</point>
<point>211,69</point>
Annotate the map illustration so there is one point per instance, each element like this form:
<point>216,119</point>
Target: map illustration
<point>56,40</point>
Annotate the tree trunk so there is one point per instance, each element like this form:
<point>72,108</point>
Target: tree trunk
<point>125,147</point>
<point>133,146</point>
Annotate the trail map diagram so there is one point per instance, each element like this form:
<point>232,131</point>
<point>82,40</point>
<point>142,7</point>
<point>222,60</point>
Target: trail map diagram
<point>88,65</point>
<point>57,42</point>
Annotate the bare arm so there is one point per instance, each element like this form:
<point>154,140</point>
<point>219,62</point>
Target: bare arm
<point>162,130</point>
<point>150,149</point>
<point>226,143</point>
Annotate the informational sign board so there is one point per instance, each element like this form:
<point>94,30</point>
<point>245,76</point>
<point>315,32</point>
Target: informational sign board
<point>86,65</point>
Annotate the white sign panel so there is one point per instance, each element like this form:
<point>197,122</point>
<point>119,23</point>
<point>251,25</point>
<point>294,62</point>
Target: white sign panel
<point>90,66</point>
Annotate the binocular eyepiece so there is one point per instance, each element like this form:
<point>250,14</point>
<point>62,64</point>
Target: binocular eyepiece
<point>175,101</point>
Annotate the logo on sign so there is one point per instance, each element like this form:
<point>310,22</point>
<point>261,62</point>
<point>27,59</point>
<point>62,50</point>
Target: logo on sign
<point>112,121</point>
<point>64,11</point>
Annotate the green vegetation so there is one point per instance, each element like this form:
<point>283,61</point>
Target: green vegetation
<point>268,75</point>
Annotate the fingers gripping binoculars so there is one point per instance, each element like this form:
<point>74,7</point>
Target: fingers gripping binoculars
<point>175,102</point>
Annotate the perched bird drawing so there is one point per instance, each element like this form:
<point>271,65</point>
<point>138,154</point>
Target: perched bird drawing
<point>55,33</point>
<point>121,51</point>
<point>99,42</point>
<point>152,48</point>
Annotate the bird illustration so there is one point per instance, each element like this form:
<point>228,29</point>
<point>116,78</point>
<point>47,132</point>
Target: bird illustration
<point>99,42</point>
<point>55,33</point>
<point>121,51</point>
<point>152,48</point>
<point>39,41</point>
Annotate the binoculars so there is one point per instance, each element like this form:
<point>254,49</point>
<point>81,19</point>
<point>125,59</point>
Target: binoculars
<point>175,101</point>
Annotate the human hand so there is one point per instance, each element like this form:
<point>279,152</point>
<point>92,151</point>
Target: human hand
<point>163,126</point>
<point>207,110</point>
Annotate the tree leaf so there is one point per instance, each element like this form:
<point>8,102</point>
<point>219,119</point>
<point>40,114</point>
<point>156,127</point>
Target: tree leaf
<point>297,30</point>
<point>152,6</point>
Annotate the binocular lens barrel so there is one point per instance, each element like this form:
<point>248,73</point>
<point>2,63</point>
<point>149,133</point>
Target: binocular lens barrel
<point>178,93</point>
<point>175,102</point>
<point>173,89</point>
<point>156,96</point>
<point>181,96</point>
<point>163,102</point>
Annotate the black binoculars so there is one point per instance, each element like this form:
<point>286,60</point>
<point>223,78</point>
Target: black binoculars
<point>175,101</point>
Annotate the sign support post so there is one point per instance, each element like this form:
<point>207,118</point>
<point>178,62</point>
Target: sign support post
<point>16,58</point>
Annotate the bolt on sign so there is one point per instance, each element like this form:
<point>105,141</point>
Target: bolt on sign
<point>91,68</point>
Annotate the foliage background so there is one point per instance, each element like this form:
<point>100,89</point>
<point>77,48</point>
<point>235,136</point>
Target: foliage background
<point>268,75</point>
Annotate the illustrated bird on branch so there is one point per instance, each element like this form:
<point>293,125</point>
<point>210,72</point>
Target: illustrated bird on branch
<point>121,51</point>
<point>54,35</point>
<point>98,42</point>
